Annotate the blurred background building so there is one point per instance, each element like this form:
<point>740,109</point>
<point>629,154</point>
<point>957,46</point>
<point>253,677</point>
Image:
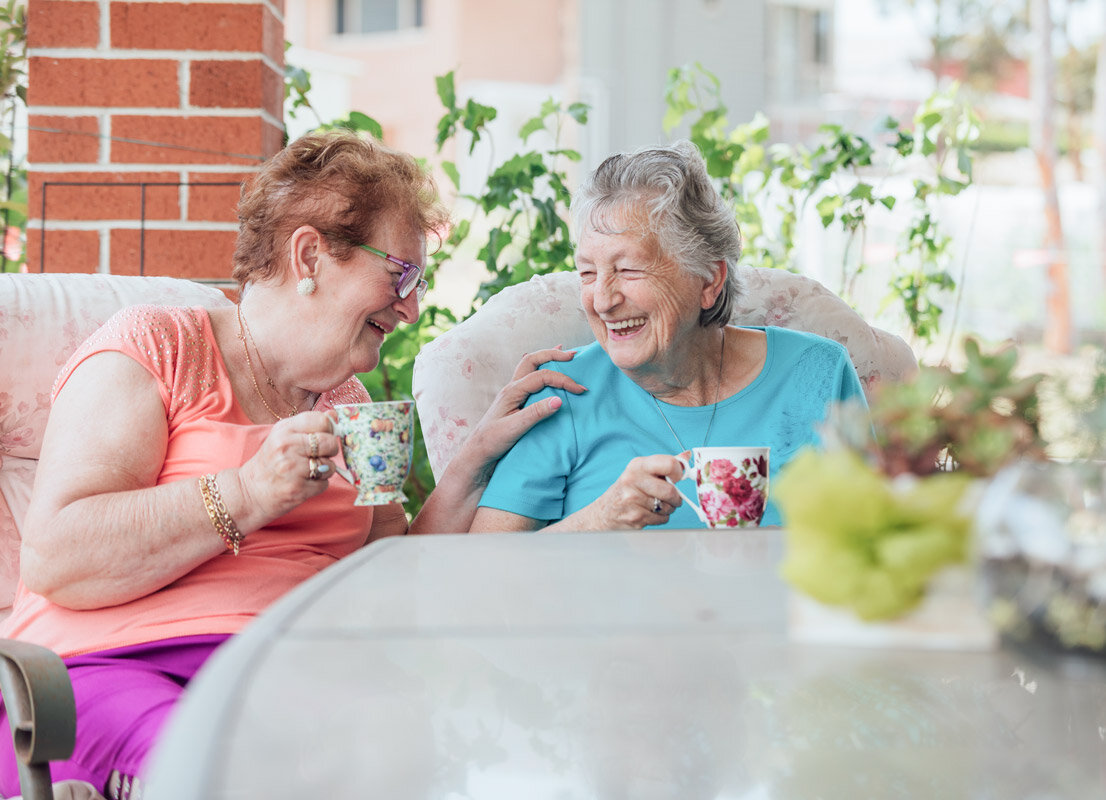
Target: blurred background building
<point>381,57</point>
<point>172,106</point>
<point>799,62</point>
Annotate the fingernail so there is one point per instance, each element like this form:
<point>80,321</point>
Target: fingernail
<point>555,403</point>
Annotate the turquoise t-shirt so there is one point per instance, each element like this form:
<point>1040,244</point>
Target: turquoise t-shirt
<point>565,462</point>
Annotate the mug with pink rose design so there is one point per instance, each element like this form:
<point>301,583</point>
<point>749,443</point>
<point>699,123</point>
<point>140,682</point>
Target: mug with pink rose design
<point>731,484</point>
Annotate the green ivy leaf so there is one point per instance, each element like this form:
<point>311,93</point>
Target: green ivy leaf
<point>450,169</point>
<point>446,91</point>
<point>475,117</point>
<point>950,186</point>
<point>579,112</point>
<point>827,208</point>
<point>533,125</point>
<point>964,161</point>
<point>571,155</point>
<point>363,122</point>
<point>862,191</point>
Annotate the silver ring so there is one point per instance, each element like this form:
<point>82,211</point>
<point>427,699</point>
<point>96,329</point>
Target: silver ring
<point>313,443</point>
<point>656,505</point>
<point>312,469</point>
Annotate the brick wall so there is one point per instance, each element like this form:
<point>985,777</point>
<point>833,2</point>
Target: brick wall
<point>144,117</point>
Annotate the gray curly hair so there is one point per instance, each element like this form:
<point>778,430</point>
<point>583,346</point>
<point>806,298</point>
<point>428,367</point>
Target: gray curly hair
<point>687,216</point>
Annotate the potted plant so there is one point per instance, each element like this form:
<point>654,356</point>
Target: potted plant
<point>888,505</point>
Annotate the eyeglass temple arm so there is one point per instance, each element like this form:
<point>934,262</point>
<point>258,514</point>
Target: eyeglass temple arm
<point>399,262</point>
<point>376,252</point>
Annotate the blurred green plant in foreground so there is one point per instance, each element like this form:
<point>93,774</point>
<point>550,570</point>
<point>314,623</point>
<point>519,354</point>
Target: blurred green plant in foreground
<point>888,503</point>
<point>856,539</point>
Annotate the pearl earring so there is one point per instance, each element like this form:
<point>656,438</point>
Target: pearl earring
<point>306,287</point>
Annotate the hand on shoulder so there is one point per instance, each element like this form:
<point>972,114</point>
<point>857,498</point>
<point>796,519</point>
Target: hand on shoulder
<point>507,420</point>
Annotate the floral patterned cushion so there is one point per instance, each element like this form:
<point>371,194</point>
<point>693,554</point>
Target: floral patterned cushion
<point>16,479</point>
<point>458,374</point>
<point>42,320</point>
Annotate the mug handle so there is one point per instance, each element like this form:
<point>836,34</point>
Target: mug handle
<point>695,506</point>
<point>342,471</point>
<point>346,475</point>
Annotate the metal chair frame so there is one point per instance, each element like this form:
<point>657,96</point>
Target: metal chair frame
<point>42,715</point>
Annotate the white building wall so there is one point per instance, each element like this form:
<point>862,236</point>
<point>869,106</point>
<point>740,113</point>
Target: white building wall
<point>629,46</point>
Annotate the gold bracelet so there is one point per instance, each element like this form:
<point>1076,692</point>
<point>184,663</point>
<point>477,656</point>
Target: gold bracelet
<point>218,514</point>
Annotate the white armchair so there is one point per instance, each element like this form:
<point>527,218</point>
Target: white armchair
<point>42,320</point>
<point>458,374</point>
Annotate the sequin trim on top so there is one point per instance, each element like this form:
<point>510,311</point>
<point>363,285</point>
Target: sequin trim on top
<point>175,342</point>
<point>352,391</point>
<point>171,338</point>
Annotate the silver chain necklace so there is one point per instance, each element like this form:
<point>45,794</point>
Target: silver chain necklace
<point>713,411</point>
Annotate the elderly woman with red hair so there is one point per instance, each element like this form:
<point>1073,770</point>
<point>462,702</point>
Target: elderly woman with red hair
<point>191,456</point>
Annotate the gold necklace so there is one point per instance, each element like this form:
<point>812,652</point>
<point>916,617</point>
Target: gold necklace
<point>713,411</point>
<point>243,332</point>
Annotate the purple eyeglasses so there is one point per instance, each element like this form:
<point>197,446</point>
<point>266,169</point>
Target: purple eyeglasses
<point>410,278</point>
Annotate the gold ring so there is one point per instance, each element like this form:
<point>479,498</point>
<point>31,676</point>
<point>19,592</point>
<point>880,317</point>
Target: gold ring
<point>656,505</point>
<point>312,469</point>
<point>313,443</point>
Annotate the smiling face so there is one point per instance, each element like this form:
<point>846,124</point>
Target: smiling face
<point>360,298</point>
<point>642,306</point>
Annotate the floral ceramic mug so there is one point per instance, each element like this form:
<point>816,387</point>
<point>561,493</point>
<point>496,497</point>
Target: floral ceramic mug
<point>731,484</point>
<point>377,445</point>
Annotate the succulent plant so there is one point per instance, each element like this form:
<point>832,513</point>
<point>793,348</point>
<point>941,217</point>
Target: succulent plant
<point>974,420</point>
<point>887,504</point>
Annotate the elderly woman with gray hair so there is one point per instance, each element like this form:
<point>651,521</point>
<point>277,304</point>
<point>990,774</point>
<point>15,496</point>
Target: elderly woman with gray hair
<point>657,255</point>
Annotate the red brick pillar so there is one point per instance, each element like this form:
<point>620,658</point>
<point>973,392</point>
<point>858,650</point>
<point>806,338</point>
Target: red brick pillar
<point>132,108</point>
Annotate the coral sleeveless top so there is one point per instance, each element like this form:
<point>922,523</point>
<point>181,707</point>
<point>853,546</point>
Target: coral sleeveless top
<point>208,431</point>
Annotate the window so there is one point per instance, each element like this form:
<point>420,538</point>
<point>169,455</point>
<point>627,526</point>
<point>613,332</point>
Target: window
<point>820,35</point>
<point>800,52</point>
<point>377,16</point>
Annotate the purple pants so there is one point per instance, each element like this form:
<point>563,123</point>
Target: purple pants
<point>123,699</point>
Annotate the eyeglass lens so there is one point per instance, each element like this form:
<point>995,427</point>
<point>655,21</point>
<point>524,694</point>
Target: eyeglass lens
<point>411,279</point>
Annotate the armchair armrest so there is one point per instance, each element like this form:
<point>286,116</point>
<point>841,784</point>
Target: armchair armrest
<point>41,712</point>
